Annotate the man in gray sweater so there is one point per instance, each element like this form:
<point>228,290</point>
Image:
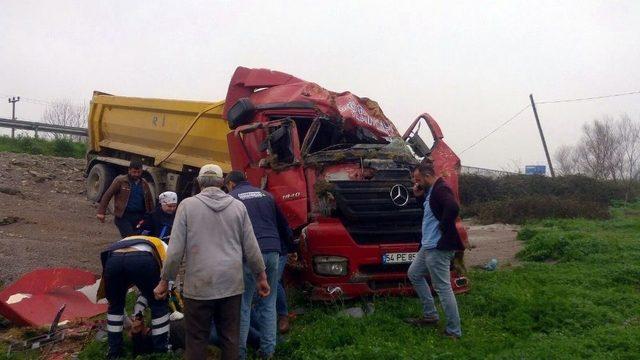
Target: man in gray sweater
<point>213,233</point>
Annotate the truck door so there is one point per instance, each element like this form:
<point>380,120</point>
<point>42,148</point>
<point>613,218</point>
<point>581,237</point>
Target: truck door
<point>446,163</point>
<point>269,154</point>
<point>284,172</point>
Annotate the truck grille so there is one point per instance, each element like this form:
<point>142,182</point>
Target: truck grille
<point>371,217</point>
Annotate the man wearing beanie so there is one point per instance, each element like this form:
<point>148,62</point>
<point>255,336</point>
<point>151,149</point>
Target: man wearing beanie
<point>159,222</point>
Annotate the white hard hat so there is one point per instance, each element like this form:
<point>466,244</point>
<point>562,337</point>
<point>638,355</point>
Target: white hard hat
<point>168,197</point>
<point>211,169</point>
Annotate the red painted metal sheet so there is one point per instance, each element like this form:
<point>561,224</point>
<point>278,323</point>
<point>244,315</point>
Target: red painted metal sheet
<point>38,295</point>
<point>264,86</point>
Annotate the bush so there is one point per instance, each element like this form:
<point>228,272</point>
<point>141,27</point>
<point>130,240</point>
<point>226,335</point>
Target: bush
<point>560,246</point>
<point>518,211</point>
<point>39,146</point>
<point>476,189</point>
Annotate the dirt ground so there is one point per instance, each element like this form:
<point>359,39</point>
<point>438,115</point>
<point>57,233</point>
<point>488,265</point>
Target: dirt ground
<point>46,221</point>
<point>495,241</point>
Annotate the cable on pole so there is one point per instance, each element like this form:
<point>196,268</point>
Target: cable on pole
<point>496,129</point>
<point>588,98</point>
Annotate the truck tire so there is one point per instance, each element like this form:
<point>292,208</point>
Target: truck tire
<point>98,181</point>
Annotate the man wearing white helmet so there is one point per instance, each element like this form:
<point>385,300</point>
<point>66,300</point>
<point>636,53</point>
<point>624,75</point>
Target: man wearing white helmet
<point>159,222</point>
<point>219,236</point>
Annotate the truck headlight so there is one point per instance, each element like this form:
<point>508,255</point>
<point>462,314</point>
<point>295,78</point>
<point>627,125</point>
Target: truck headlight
<point>330,265</point>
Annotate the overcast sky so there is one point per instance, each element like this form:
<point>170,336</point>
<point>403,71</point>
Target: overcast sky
<point>471,65</point>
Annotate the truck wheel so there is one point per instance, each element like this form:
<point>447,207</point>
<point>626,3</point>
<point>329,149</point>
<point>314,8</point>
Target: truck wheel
<point>100,178</point>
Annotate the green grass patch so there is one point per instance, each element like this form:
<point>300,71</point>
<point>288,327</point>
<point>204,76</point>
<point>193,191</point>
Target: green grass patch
<point>576,295</point>
<point>38,146</point>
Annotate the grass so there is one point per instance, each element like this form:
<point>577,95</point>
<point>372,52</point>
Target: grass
<point>576,295</point>
<point>39,146</point>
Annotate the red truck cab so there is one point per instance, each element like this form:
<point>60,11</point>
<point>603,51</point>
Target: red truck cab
<point>341,173</point>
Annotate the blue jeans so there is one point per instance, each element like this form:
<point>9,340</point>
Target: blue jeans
<point>281,303</point>
<point>435,263</point>
<point>265,308</point>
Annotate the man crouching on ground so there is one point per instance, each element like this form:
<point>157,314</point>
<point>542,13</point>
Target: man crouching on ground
<point>440,241</point>
<point>213,232</point>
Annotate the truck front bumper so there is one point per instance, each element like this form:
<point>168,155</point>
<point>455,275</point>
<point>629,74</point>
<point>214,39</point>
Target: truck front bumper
<point>366,275</point>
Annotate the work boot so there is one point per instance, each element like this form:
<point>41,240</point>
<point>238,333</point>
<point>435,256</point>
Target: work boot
<point>115,355</point>
<point>423,321</point>
<point>283,324</point>
<point>450,335</point>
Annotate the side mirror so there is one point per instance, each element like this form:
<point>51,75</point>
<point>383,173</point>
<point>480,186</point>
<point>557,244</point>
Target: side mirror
<point>418,145</point>
<point>240,113</point>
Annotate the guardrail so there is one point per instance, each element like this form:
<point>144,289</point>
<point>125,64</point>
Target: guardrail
<point>485,172</point>
<point>42,127</point>
<point>78,131</point>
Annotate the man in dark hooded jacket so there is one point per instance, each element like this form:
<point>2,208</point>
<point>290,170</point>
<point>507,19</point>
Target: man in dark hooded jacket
<point>159,222</point>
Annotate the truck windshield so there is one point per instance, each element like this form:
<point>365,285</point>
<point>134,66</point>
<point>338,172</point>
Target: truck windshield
<point>327,134</point>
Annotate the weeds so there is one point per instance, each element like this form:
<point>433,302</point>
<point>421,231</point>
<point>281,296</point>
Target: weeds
<point>39,146</point>
<point>583,305</point>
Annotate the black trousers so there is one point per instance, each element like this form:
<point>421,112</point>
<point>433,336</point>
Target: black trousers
<point>127,223</point>
<point>141,269</point>
<point>198,315</point>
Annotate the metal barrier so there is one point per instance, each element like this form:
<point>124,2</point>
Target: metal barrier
<point>42,127</point>
<point>78,131</point>
<point>484,172</point>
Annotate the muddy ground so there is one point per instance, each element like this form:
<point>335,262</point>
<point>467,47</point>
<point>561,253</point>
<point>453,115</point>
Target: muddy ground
<point>46,221</point>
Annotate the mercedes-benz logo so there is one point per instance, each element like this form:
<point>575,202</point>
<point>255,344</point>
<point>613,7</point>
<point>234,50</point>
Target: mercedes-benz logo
<point>399,195</point>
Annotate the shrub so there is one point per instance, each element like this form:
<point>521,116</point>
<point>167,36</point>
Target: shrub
<point>39,146</point>
<point>476,189</point>
<point>560,246</point>
<point>518,211</point>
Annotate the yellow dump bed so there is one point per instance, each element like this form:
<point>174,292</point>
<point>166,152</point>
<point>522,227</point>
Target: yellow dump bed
<point>151,127</point>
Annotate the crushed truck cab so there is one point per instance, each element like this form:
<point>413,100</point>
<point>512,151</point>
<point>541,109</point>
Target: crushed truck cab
<point>336,165</point>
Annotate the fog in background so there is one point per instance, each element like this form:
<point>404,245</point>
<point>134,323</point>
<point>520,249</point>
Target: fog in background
<point>471,65</point>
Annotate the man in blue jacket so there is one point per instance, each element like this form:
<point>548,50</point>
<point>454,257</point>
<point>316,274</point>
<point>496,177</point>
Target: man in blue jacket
<point>268,223</point>
<point>440,241</point>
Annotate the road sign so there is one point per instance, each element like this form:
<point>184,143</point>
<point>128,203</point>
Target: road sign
<point>535,169</point>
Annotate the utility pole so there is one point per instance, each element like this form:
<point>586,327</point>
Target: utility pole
<point>13,101</point>
<point>544,143</point>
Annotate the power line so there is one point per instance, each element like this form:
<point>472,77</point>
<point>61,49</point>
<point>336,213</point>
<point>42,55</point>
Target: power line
<point>496,129</point>
<point>588,98</point>
<point>44,102</point>
<point>549,102</point>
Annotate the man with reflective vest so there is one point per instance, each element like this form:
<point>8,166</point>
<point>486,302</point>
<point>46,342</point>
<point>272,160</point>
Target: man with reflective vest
<point>135,260</point>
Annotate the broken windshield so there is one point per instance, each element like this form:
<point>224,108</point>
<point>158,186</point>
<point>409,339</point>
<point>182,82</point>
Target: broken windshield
<point>328,134</point>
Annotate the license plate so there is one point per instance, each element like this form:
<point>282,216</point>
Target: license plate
<point>398,258</point>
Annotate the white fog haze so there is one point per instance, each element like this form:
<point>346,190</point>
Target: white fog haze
<point>470,64</point>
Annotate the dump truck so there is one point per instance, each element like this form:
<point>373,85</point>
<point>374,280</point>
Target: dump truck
<point>335,164</point>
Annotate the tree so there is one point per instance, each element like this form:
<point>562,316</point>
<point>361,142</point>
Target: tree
<point>566,163</point>
<point>628,133</point>
<point>66,113</point>
<point>597,152</point>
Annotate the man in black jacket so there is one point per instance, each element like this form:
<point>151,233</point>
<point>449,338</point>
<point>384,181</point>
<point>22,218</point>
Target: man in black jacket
<point>268,225</point>
<point>159,222</point>
<point>440,241</point>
